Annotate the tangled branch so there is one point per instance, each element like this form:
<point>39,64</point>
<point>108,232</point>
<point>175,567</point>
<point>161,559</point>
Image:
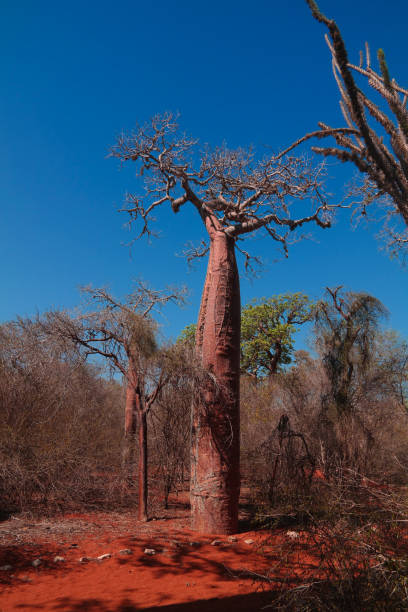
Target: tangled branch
<point>232,191</point>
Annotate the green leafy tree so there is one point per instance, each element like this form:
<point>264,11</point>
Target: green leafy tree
<point>187,335</point>
<point>267,330</point>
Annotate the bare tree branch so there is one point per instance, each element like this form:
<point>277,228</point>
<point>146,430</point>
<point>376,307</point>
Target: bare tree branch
<point>231,190</point>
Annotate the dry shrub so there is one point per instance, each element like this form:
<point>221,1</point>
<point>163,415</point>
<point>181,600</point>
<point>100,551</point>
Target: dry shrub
<point>293,442</point>
<point>170,422</point>
<point>60,427</point>
<point>337,476</point>
<point>169,440</point>
<point>279,448</point>
<point>359,554</point>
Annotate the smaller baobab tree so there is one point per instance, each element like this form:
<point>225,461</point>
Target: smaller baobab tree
<point>375,137</point>
<point>234,194</point>
<point>124,333</point>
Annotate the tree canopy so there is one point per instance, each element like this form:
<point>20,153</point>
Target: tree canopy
<point>267,330</point>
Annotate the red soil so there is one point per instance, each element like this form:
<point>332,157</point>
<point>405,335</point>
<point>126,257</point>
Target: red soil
<point>187,573</point>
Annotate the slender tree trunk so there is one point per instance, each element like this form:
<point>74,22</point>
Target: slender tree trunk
<point>274,362</point>
<point>215,478</point>
<point>142,471</point>
<point>129,448</point>
<point>136,421</point>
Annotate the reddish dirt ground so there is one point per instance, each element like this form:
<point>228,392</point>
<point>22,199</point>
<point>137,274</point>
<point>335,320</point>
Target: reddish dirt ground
<point>187,573</point>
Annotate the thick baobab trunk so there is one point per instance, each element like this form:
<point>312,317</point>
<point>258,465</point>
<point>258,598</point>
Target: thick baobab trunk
<point>215,478</point>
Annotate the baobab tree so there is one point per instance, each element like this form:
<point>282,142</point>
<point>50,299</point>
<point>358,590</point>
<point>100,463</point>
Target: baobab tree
<point>124,333</point>
<point>234,194</point>
<point>374,140</point>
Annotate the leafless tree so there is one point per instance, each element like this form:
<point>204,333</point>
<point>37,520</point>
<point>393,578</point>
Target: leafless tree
<point>346,328</point>
<point>234,194</point>
<point>378,148</point>
<point>124,333</point>
<point>346,325</point>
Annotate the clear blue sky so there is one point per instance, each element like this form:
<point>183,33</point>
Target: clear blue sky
<point>75,74</point>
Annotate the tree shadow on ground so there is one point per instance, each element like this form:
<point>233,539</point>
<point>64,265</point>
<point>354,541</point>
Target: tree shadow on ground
<point>181,559</point>
<point>5,515</point>
<point>252,602</point>
<point>21,557</point>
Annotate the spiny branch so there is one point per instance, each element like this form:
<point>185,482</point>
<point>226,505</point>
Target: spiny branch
<point>385,164</point>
